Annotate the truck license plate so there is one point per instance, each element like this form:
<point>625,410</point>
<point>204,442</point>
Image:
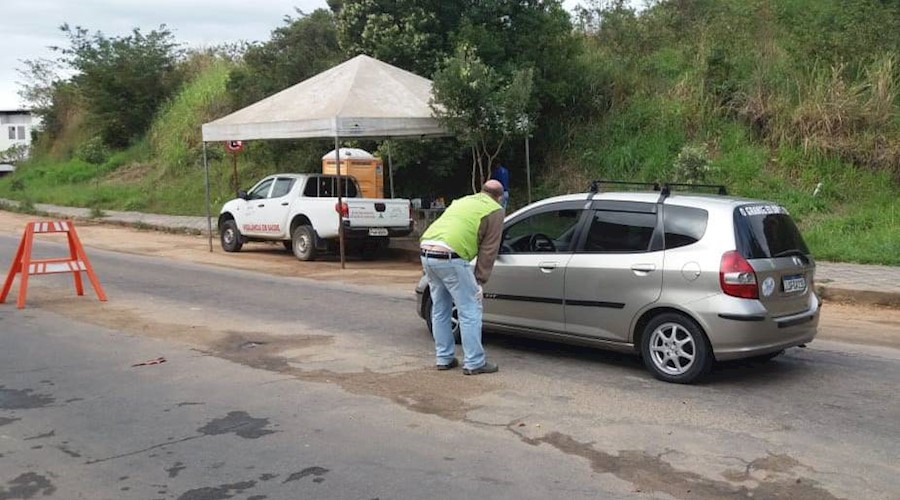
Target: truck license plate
<point>378,231</point>
<point>795,283</point>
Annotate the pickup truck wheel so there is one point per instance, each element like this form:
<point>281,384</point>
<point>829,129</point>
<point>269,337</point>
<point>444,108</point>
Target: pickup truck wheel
<point>230,237</point>
<point>303,242</point>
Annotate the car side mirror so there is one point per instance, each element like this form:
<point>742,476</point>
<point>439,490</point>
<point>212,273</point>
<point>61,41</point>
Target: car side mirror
<point>243,195</point>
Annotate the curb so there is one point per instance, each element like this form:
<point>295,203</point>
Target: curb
<point>858,297</point>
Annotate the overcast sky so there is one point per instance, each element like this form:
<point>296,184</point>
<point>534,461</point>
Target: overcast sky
<point>29,27</point>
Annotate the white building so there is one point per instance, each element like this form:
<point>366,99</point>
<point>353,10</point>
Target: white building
<point>15,129</point>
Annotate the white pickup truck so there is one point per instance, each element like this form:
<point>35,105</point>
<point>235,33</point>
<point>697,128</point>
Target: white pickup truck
<point>301,210</point>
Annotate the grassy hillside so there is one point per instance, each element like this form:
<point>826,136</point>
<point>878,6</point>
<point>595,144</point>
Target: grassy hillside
<point>794,101</point>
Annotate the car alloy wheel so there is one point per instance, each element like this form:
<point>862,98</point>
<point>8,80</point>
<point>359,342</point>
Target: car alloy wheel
<point>675,349</point>
<point>672,349</point>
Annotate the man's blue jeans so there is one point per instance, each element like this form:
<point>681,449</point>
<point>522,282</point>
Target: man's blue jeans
<point>452,281</point>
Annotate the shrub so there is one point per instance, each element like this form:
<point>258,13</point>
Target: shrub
<point>692,164</point>
<point>92,151</point>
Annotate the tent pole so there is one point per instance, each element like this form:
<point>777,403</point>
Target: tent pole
<point>337,162</point>
<point>208,216</point>
<point>390,167</point>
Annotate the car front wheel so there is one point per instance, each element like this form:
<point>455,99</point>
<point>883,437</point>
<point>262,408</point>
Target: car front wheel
<point>303,241</point>
<point>230,237</point>
<point>675,349</point>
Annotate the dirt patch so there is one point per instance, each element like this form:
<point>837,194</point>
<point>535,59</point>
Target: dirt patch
<point>394,271</point>
<point>420,389</point>
<point>297,354</point>
<point>856,324</point>
<point>130,174</point>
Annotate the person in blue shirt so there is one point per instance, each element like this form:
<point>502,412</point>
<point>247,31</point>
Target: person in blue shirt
<point>500,173</point>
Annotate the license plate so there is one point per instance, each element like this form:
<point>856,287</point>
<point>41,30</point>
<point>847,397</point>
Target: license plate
<point>378,231</point>
<point>794,284</point>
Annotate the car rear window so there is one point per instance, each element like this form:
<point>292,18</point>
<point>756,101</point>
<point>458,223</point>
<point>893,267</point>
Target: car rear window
<point>767,231</point>
<point>326,187</point>
<point>684,225</point>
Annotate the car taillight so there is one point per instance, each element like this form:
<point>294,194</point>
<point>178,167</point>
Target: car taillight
<point>736,276</point>
<point>342,208</point>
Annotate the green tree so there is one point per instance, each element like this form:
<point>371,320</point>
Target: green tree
<point>411,34</point>
<point>43,90</point>
<point>123,80</point>
<point>481,107</point>
<point>510,38</point>
<point>303,47</point>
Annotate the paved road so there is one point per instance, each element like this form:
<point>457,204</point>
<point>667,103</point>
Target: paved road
<point>838,281</point>
<point>288,388</point>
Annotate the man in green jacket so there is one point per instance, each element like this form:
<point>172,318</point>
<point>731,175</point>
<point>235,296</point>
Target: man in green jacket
<point>472,226</point>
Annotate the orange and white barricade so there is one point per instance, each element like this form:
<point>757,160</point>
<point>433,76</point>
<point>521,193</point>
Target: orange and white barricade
<point>76,263</point>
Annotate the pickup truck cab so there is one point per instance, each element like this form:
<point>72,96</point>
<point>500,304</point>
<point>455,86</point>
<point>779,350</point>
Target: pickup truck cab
<point>301,211</point>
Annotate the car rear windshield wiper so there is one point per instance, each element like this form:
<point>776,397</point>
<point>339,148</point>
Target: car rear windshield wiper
<point>793,251</point>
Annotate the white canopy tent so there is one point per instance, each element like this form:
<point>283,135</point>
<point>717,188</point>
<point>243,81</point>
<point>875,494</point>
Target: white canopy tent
<point>362,97</point>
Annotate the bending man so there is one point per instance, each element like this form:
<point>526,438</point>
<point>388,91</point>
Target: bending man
<point>470,227</point>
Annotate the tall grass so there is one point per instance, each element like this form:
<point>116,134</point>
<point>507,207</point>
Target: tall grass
<point>175,133</point>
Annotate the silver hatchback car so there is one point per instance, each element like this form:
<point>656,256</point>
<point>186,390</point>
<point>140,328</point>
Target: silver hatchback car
<point>681,279</point>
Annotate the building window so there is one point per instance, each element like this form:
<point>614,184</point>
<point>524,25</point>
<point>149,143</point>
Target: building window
<point>20,131</point>
<point>12,133</point>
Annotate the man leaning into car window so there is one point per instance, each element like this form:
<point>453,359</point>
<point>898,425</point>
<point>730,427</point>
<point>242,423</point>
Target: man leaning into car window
<point>470,227</point>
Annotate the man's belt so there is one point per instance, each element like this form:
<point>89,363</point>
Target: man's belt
<point>434,254</point>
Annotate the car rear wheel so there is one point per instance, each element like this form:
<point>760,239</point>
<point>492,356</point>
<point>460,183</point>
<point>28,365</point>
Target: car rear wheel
<point>454,319</point>
<point>230,237</point>
<point>675,349</point>
<point>303,241</point>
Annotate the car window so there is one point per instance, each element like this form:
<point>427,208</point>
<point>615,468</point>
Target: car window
<point>684,225</point>
<point>261,190</point>
<point>282,187</point>
<point>326,187</point>
<point>311,190</point>
<point>551,231</point>
<point>767,231</point>
<point>616,231</point>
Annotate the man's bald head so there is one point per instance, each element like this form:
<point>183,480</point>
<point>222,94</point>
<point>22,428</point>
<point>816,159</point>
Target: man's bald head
<point>494,189</point>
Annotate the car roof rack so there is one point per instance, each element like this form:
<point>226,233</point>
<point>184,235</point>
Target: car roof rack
<point>720,188</point>
<point>665,188</point>
<point>595,184</point>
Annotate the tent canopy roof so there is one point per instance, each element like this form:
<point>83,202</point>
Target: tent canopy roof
<point>362,97</point>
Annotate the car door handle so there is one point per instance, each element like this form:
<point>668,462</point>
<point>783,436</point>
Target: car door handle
<point>261,205</point>
<point>643,269</point>
<point>547,267</point>
<point>284,204</point>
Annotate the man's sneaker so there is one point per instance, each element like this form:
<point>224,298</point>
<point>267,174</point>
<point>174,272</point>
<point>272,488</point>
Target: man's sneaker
<point>452,364</point>
<point>485,368</point>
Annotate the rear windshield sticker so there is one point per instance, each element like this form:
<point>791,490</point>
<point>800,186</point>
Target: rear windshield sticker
<point>751,210</point>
